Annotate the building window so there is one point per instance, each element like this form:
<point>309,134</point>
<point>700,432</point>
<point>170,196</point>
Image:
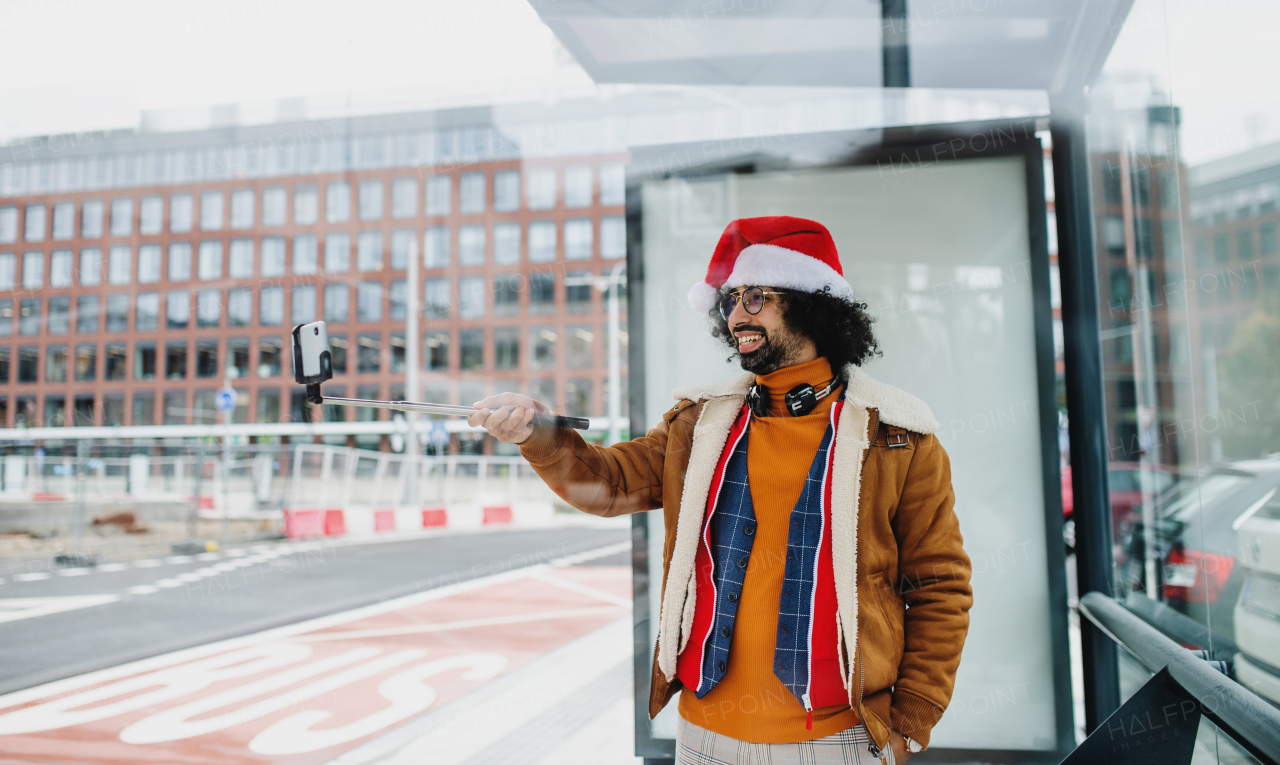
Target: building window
<point>28,364</point>
<point>175,407</point>
<point>55,363</point>
<point>1269,243</point>
<point>435,299</point>
<point>542,292</point>
<point>237,358</point>
<point>439,195</point>
<point>577,398</point>
<point>150,216</point>
<point>181,213</point>
<point>1221,247</point>
<point>121,217</point>
<point>87,314</point>
<point>55,411</point>
<point>544,391</point>
<point>337,202</point>
<point>471,193</point>
<point>506,190</point>
<point>471,349</point>
<point>613,238</point>
<point>35,223</point>
<point>271,306</point>
<point>337,254</point>
<point>211,211</point>
<point>64,221</point>
<point>506,348</point>
<point>115,361</point>
<point>577,187</point>
<point>542,241</point>
<point>401,248</point>
<point>541,188</point>
<point>471,297</point>
<point>240,259</point>
<point>370,200</point>
<point>398,354</point>
<point>306,258</point>
<point>180,262</point>
<point>83,412</point>
<point>580,343</point>
<point>435,347</point>
<point>86,363</point>
<point>268,405</point>
<point>209,261</point>
<point>399,300</point>
<point>119,264</point>
<point>8,271</point>
<point>29,316</point>
<point>338,353</point>
<point>117,313</point>
<point>506,244</point>
<point>177,309</point>
<point>268,357</point>
<point>90,267</point>
<point>578,239</point>
<point>149,256</point>
<point>239,307</point>
<point>147,312</point>
<point>506,294</point>
<point>144,361</point>
<point>306,206</point>
<point>368,353</point>
<point>242,209</point>
<point>1244,244</point>
<point>471,246</point>
<point>369,301</point>
<point>337,300</point>
<point>303,310</point>
<point>208,308</point>
<point>369,251</point>
<point>542,347</point>
<point>91,213</point>
<point>204,407</point>
<point>175,361</point>
<point>8,224</point>
<point>274,203</point>
<point>59,315</point>
<point>6,319</point>
<point>435,247</point>
<point>404,198</point>
<point>613,185</point>
<point>206,358</point>
<point>577,296</point>
<point>1113,235</point>
<point>144,409</point>
<point>273,256</point>
<point>32,270</point>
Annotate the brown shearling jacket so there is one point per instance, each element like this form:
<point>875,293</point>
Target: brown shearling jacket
<point>902,576</point>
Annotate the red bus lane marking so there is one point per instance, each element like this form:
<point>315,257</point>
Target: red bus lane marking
<point>306,695</point>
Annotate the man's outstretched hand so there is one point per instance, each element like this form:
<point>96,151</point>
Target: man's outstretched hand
<point>506,416</point>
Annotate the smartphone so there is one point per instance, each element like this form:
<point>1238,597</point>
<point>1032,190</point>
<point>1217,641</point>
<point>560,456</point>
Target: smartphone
<point>312,362</point>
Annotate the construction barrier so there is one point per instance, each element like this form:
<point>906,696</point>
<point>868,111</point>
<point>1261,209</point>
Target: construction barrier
<point>314,522</point>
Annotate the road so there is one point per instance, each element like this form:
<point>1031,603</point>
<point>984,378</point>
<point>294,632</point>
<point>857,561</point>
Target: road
<point>58,624</point>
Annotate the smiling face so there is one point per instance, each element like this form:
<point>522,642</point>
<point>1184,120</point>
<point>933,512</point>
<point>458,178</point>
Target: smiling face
<point>765,342</point>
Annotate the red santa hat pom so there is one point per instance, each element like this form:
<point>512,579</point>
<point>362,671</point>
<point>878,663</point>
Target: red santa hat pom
<point>773,251</point>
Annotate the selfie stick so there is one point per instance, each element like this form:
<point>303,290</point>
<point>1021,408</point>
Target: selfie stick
<point>551,420</point>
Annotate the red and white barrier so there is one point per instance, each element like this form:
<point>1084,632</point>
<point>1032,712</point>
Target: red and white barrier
<point>364,521</point>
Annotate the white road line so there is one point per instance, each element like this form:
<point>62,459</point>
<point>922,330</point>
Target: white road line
<point>142,589</point>
<point>168,584</point>
<point>582,589</point>
<point>73,572</point>
<point>107,568</point>
<point>189,577</point>
<point>209,556</point>
<point>147,563</point>
<point>13,609</point>
<point>590,555</point>
<point>461,624</point>
<point>178,559</point>
<point>34,576</point>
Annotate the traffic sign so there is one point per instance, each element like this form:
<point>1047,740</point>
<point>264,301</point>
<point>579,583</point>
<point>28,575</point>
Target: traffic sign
<point>438,436</point>
<point>225,401</point>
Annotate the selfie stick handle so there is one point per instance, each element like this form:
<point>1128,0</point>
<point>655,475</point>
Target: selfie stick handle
<point>551,420</point>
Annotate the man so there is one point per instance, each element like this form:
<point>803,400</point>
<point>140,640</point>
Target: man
<point>815,590</point>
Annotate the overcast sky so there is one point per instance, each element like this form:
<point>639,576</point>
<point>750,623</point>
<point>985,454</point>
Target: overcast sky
<point>75,65</point>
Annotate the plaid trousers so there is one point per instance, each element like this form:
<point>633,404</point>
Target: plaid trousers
<point>698,746</point>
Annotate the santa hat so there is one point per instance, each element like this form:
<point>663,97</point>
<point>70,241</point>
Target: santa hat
<point>773,251</point>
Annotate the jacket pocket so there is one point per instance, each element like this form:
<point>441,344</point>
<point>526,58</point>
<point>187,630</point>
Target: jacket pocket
<point>894,610</point>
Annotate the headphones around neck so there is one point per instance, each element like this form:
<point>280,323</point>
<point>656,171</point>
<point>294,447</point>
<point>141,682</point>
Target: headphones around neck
<point>800,400</point>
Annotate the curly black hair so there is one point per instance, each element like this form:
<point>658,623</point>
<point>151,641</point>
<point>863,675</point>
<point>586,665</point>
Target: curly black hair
<point>840,328</point>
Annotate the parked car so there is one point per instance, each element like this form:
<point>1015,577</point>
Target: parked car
<point>1126,480</point>
<point>1257,612</point>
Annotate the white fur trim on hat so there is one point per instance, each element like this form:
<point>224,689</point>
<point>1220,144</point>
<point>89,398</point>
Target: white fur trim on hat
<point>774,266</point>
<point>702,297</point>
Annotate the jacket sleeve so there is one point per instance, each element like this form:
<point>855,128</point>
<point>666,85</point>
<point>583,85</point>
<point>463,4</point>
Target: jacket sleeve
<point>934,576</point>
<point>605,481</point>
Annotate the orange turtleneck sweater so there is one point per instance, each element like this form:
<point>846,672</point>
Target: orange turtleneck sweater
<point>750,703</point>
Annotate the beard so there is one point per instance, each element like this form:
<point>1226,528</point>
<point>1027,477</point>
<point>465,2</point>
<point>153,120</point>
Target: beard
<point>780,349</point>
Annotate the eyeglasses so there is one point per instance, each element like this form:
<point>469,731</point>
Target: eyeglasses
<point>752,300</point>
